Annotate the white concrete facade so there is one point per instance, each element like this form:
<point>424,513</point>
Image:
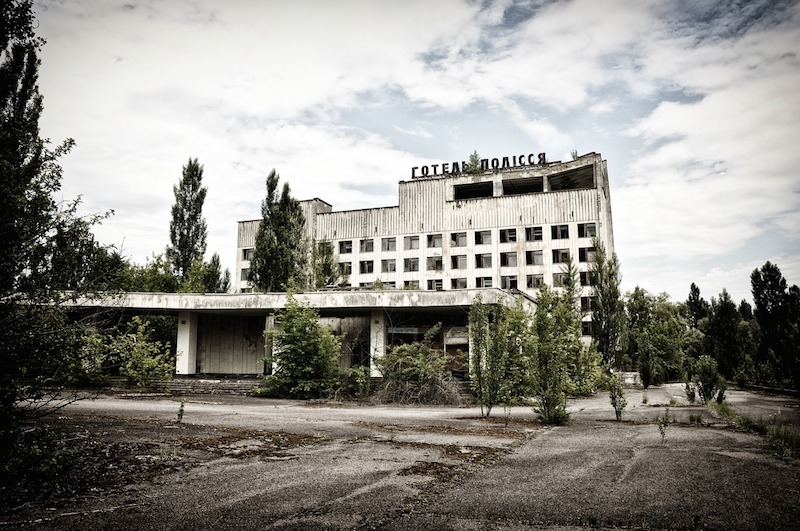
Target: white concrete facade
<point>509,228</point>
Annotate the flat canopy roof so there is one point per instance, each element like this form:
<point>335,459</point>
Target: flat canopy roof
<point>260,303</point>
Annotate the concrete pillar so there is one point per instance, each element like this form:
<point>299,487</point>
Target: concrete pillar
<point>186,348</point>
<point>269,326</point>
<point>377,339</point>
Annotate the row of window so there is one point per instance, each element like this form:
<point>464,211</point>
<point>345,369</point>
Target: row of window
<point>506,282</point>
<point>459,239</point>
<point>482,261</point>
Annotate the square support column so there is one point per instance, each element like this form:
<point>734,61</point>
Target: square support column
<point>186,347</point>
<point>377,339</point>
<point>269,363</point>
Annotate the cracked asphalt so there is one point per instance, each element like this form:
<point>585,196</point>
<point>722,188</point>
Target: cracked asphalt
<point>384,467</point>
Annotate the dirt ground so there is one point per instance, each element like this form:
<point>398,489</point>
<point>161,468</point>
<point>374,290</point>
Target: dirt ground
<point>244,463</point>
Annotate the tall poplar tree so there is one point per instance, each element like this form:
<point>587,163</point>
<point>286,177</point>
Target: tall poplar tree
<point>187,230</point>
<point>608,314</point>
<point>279,257</point>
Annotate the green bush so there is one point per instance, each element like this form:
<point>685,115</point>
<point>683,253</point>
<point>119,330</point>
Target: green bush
<point>143,361</point>
<point>616,393</point>
<point>707,377</point>
<point>307,354</point>
<point>416,373</point>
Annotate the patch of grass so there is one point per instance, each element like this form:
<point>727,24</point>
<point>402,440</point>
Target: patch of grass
<point>723,409</point>
<point>695,418</point>
<point>786,438</point>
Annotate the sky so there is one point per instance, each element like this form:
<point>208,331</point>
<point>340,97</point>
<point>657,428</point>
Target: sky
<point>694,104</point>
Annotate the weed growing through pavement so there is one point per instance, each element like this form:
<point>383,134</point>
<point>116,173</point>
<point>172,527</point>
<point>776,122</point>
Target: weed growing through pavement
<point>695,418</point>
<point>180,410</point>
<point>663,422</point>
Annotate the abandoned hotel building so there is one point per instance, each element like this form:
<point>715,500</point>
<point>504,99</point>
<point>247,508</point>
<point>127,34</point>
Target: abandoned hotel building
<point>501,233</point>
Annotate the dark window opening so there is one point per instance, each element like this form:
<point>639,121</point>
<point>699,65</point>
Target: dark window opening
<point>579,179</point>
<point>530,185</point>
<point>473,190</point>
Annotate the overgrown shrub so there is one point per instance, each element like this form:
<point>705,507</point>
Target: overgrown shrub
<point>691,392</point>
<point>616,392</point>
<point>306,352</point>
<point>707,377</point>
<point>353,383</point>
<point>143,360</point>
<point>416,373</point>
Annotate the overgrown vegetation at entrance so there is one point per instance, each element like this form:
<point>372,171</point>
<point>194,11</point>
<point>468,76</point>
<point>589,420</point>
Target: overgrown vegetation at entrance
<point>416,373</point>
<point>306,354</point>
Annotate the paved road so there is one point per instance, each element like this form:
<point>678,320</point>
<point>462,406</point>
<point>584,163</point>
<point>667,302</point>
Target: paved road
<point>439,468</point>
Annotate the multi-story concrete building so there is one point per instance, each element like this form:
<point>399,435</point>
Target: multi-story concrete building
<point>509,226</point>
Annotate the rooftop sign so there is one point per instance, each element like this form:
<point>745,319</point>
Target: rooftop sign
<point>458,168</point>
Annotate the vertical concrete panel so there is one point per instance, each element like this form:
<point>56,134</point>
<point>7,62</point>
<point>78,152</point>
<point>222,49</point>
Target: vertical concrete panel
<point>186,348</point>
<point>377,339</point>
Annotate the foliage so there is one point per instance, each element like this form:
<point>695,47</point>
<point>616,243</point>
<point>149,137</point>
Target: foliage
<point>187,230</point>
<point>353,382</point>
<point>307,353</point>
<point>155,276</point>
<point>501,348</point>
<point>557,337</point>
<point>473,164</point>
<point>206,277</point>
<point>416,373</point>
<point>707,377</point>
<point>608,314</point>
<point>143,361</point>
<point>663,424</point>
<point>324,268</point>
<point>45,246</point>
<point>691,392</point>
<point>279,256</point>
<point>616,393</point>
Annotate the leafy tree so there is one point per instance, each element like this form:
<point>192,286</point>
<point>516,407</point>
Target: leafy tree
<point>501,346</point>
<point>307,353</point>
<point>662,342</point>
<point>707,377</point>
<point>278,257</point>
<point>556,337</point>
<point>187,230</point>
<point>207,277</point>
<point>696,307</point>
<point>722,334</point>
<point>608,315</point>
<point>324,269</point>
<point>155,276</point>
<point>41,348</point>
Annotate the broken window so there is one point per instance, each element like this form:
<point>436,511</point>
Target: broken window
<point>247,254</point>
<point>366,266</point>
<point>508,235</point>
<point>587,304</point>
<point>560,279</point>
<point>533,234</point>
<point>559,232</point>
<point>534,257</point>
<point>411,284</point>
<point>586,254</point>
<point>587,230</point>
<point>560,256</point>
<point>345,268</point>
<point>346,247</point>
<point>388,266</point>
<point>411,264</point>
<point>586,328</point>
<point>483,237</point>
<point>458,262</point>
<point>390,285</point>
<point>435,284</point>
<point>526,185</point>
<point>458,239</point>
<point>458,283</point>
<point>577,179</point>
<point>483,282</point>
<point>411,242</point>
<point>388,244</point>
<point>245,274</point>
<point>508,259</point>
<point>534,281</point>
<point>508,282</point>
<point>366,246</point>
<point>586,278</point>
<point>435,263</point>
<point>473,190</point>
<point>483,260</point>
<point>434,240</point>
